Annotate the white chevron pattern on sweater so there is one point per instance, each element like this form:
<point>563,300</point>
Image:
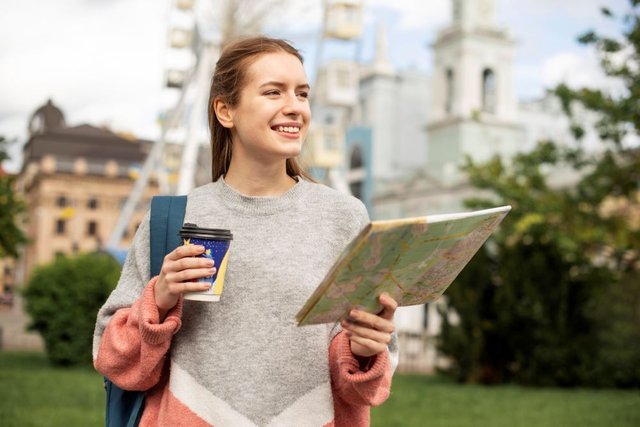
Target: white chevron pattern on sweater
<point>302,413</point>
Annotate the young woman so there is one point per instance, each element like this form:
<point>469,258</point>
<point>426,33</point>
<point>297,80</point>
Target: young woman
<point>243,361</point>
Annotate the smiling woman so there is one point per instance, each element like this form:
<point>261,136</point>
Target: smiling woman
<point>242,360</point>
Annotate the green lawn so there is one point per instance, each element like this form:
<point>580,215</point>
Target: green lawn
<point>437,402</point>
<point>34,394</point>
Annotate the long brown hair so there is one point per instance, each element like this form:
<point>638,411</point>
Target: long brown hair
<point>227,83</point>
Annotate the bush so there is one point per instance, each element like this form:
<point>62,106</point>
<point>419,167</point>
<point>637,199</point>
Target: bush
<point>527,316</point>
<point>63,298</point>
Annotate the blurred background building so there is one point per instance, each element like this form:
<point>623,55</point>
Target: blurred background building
<point>75,180</point>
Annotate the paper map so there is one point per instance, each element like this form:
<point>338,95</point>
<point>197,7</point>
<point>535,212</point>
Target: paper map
<point>414,260</point>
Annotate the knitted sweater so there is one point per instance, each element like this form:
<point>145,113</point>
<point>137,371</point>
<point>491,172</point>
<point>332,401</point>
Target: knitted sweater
<point>242,361</point>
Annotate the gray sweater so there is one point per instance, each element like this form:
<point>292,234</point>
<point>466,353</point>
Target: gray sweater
<point>246,352</point>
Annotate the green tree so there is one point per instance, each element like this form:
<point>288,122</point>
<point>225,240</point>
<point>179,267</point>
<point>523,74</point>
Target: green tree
<point>63,299</point>
<point>11,206</point>
<point>557,298</point>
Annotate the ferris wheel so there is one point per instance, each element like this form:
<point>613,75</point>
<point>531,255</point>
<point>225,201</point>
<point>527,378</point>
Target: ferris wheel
<point>191,59</point>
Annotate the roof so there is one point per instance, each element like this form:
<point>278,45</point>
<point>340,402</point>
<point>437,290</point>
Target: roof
<point>85,141</point>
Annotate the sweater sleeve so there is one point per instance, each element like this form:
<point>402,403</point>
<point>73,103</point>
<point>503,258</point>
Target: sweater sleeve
<point>134,344</point>
<point>134,277</point>
<point>352,386</point>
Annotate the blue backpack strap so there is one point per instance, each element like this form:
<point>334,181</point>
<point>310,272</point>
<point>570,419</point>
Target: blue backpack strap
<point>167,216</point>
<point>124,408</point>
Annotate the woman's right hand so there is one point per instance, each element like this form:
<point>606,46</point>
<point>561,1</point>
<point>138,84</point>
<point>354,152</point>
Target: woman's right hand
<point>179,270</point>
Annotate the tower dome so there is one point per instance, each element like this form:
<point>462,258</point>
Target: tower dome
<point>46,118</point>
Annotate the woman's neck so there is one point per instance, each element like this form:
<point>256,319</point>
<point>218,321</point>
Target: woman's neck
<point>259,180</point>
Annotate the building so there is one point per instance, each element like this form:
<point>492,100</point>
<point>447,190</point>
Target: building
<point>7,270</point>
<point>75,180</point>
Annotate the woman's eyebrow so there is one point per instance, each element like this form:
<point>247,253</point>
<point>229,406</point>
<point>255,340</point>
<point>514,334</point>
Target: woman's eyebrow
<point>282,85</point>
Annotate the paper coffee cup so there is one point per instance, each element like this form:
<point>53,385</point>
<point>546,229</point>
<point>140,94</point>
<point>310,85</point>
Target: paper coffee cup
<point>216,244</point>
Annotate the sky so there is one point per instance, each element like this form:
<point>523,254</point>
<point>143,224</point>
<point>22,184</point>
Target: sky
<point>103,61</point>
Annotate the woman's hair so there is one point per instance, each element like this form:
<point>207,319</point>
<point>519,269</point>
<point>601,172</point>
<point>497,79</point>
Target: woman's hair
<point>227,83</point>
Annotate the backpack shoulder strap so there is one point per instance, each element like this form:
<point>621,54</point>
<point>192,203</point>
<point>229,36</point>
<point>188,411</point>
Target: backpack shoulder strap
<point>167,216</point>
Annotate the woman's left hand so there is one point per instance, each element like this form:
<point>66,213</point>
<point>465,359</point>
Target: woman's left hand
<point>369,333</point>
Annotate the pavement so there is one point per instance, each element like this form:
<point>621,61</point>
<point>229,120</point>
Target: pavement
<point>13,329</point>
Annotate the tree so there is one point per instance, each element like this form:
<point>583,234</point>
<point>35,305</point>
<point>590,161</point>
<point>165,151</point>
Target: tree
<point>63,299</point>
<point>558,296</point>
<point>11,206</point>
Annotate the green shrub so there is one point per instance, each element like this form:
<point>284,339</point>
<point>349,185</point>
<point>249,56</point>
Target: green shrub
<point>63,298</point>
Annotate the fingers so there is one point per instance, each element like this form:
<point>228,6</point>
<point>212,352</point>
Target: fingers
<point>366,347</point>
<point>390,305</point>
<point>178,288</point>
<point>185,251</point>
<point>190,274</point>
<point>173,264</point>
<point>355,329</point>
<point>371,333</point>
<point>371,321</point>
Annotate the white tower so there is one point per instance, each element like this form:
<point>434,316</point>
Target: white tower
<point>474,109</point>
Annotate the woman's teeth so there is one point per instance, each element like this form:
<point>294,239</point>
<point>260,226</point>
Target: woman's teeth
<point>288,129</point>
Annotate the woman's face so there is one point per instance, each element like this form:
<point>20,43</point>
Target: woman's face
<point>272,117</point>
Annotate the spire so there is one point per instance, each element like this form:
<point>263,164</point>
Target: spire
<point>381,63</point>
<point>46,118</point>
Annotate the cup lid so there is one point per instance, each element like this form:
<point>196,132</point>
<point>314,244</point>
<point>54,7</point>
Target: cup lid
<point>192,230</point>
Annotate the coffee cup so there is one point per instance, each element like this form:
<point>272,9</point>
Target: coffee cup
<point>216,244</point>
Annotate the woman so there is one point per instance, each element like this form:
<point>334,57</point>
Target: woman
<point>242,361</point>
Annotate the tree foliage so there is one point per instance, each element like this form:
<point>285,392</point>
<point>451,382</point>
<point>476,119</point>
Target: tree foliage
<point>11,206</point>
<point>555,298</point>
<point>63,299</point>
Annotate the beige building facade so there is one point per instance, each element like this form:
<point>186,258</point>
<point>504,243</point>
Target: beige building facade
<point>75,181</point>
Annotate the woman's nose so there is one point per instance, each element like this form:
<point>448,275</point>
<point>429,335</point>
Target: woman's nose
<point>294,105</point>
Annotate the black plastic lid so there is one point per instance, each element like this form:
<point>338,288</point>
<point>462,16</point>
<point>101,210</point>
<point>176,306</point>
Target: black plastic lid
<point>192,230</point>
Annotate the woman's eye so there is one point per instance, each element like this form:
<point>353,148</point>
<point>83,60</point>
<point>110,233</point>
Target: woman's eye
<point>303,94</point>
<point>271,93</point>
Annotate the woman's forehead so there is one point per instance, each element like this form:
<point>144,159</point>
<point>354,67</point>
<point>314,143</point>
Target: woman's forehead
<point>279,67</point>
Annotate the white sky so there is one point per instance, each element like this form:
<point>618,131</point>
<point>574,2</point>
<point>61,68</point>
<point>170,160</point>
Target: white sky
<point>102,61</point>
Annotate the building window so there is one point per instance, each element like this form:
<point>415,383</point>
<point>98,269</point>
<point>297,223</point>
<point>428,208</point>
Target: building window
<point>450,91</point>
<point>93,203</point>
<point>62,202</point>
<point>92,228</point>
<point>488,91</point>
<point>61,225</point>
<point>356,158</point>
<point>425,319</point>
<point>356,163</point>
<point>96,168</point>
<point>343,78</point>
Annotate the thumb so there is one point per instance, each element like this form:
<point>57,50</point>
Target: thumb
<point>389,306</point>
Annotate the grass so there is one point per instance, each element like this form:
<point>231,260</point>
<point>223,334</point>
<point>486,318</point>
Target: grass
<point>32,393</point>
<point>438,402</point>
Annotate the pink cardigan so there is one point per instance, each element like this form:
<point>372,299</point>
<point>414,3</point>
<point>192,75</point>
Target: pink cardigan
<point>133,354</point>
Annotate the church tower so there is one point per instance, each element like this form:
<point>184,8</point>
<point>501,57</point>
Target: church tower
<point>474,110</point>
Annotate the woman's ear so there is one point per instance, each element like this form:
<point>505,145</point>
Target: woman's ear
<point>223,113</point>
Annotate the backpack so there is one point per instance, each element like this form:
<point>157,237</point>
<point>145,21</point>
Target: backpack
<point>124,408</point>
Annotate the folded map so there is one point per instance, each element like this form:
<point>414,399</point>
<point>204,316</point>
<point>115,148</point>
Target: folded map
<point>414,260</point>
